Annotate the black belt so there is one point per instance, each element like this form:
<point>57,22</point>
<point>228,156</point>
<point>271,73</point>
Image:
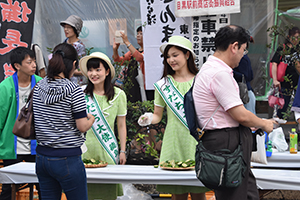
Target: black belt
<point>222,129</point>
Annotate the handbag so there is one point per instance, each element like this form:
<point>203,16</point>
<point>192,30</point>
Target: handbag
<point>243,91</point>
<point>281,68</point>
<point>275,100</point>
<point>220,169</point>
<point>24,125</point>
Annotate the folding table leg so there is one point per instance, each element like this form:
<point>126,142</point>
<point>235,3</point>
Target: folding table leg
<point>31,191</point>
<point>13,191</point>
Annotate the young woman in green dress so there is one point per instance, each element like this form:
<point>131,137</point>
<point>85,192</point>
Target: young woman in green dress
<point>178,145</point>
<point>108,104</point>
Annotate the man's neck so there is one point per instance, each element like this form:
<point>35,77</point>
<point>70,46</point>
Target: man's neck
<point>224,56</point>
<point>23,79</point>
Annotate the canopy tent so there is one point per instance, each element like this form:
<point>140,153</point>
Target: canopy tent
<point>101,18</point>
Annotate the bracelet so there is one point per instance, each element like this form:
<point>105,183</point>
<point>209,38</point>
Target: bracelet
<point>129,45</point>
<point>122,151</point>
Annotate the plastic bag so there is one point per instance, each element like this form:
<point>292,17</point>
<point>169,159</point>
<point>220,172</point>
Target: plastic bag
<point>260,155</point>
<point>131,193</point>
<point>278,139</point>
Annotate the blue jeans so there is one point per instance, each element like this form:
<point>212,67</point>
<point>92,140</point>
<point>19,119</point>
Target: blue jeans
<point>61,173</point>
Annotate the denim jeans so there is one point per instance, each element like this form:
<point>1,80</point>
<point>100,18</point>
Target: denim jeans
<point>61,173</point>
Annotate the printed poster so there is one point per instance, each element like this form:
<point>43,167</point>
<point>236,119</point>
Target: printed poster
<point>16,26</point>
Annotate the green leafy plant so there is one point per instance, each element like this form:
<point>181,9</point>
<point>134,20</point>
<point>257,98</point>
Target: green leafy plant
<point>89,50</point>
<point>139,144</point>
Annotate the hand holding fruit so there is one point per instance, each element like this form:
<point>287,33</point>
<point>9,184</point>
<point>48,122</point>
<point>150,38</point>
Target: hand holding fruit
<point>145,119</point>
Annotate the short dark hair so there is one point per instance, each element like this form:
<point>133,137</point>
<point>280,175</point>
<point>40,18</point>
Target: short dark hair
<point>291,33</point>
<point>18,54</point>
<point>190,62</point>
<point>139,29</point>
<point>230,34</point>
<point>62,60</point>
<point>75,31</point>
<point>108,86</point>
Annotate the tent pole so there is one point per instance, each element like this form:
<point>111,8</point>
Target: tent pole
<point>269,55</point>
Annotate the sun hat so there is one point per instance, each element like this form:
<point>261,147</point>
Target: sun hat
<point>179,41</point>
<point>83,63</point>
<point>73,21</point>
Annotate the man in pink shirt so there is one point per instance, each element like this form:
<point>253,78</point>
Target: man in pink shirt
<point>215,89</point>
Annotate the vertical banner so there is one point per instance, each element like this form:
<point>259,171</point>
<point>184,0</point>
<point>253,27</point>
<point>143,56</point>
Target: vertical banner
<point>16,26</point>
<point>204,32</point>
<point>185,8</point>
<point>160,22</point>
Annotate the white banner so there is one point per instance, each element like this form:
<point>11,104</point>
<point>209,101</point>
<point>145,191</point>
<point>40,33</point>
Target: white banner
<point>161,24</point>
<point>204,32</point>
<point>186,8</point>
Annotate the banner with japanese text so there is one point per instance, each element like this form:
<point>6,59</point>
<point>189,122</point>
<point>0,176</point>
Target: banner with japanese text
<point>186,8</point>
<point>204,32</point>
<point>161,23</point>
<point>16,26</point>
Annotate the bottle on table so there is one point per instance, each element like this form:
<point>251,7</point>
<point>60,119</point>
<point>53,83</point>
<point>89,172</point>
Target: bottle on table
<point>293,141</point>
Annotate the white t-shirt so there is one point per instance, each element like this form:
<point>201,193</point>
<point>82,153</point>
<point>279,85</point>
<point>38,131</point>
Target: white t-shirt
<point>23,145</point>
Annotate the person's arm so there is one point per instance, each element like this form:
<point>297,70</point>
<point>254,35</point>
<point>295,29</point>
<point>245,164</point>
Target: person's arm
<point>275,61</point>
<point>42,73</point>
<point>248,119</point>
<point>157,115</point>
<point>130,47</point>
<point>115,50</point>
<point>84,124</point>
<point>151,118</point>
<point>276,83</point>
<point>138,56</point>
<point>121,123</point>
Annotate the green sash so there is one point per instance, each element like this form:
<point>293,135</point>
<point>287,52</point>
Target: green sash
<point>172,97</point>
<point>102,130</point>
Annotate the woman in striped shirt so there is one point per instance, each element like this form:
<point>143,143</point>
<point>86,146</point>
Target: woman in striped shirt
<point>60,122</point>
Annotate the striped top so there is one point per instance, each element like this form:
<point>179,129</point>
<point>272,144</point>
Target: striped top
<point>56,105</point>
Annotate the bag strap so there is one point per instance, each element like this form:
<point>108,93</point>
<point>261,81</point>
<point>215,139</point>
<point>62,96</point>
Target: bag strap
<point>31,94</point>
<point>210,117</point>
<point>243,78</point>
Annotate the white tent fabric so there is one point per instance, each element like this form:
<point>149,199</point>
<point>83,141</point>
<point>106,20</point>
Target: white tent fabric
<point>101,18</point>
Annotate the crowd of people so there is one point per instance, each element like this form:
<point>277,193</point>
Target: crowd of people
<point>77,101</point>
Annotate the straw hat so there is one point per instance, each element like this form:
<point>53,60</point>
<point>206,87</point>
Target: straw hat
<point>73,21</point>
<point>83,63</point>
<point>179,41</point>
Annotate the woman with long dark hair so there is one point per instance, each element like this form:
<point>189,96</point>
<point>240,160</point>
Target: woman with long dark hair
<point>178,145</point>
<point>108,104</point>
<point>60,121</point>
